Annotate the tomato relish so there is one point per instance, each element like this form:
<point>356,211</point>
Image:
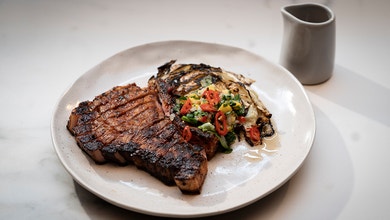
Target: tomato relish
<point>213,111</point>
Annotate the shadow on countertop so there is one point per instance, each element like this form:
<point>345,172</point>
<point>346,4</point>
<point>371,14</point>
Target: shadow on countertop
<point>356,93</point>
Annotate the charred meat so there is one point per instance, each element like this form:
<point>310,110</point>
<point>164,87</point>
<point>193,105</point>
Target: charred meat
<point>127,125</point>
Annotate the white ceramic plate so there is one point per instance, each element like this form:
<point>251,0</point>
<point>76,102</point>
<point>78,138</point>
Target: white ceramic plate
<point>234,180</point>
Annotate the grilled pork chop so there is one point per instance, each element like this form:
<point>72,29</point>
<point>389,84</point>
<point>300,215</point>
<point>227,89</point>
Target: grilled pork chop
<point>127,125</point>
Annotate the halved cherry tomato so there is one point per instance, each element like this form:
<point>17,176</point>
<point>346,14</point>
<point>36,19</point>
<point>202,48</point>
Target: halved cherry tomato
<point>220,123</point>
<point>187,135</point>
<point>254,134</point>
<point>212,96</point>
<point>186,107</point>
<point>206,107</point>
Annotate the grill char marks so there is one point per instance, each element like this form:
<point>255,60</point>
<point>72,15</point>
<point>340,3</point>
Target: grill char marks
<point>127,125</point>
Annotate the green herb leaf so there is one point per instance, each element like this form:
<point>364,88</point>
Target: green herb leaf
<point>230,138</point>
<point>207,127</point>
<point>223,142</point>
<point>177,108</point>
<point>189,119</point>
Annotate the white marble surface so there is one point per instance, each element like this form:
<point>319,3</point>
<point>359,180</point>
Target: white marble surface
<point>46,45</point>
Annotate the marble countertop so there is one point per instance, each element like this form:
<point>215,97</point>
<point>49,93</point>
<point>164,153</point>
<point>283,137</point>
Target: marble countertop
<point>46,45</point>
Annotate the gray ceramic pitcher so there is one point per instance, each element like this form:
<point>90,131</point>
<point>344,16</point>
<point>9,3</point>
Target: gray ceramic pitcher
<point>308,48</point>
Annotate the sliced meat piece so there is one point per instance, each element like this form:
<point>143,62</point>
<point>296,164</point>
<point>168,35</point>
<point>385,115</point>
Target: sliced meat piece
<point>127,125</point>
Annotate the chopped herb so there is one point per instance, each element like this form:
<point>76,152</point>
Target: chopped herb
<point>177,107</point>
<point>199,113</point>
<point>189,118</point>
<point>226,148</point>
<point>207,127</point>
<point>240,111</point>
<point>182,98</point>
<point>230,138</point>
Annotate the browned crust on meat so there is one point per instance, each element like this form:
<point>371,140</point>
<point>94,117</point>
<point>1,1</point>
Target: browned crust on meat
<point>127,125</point>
